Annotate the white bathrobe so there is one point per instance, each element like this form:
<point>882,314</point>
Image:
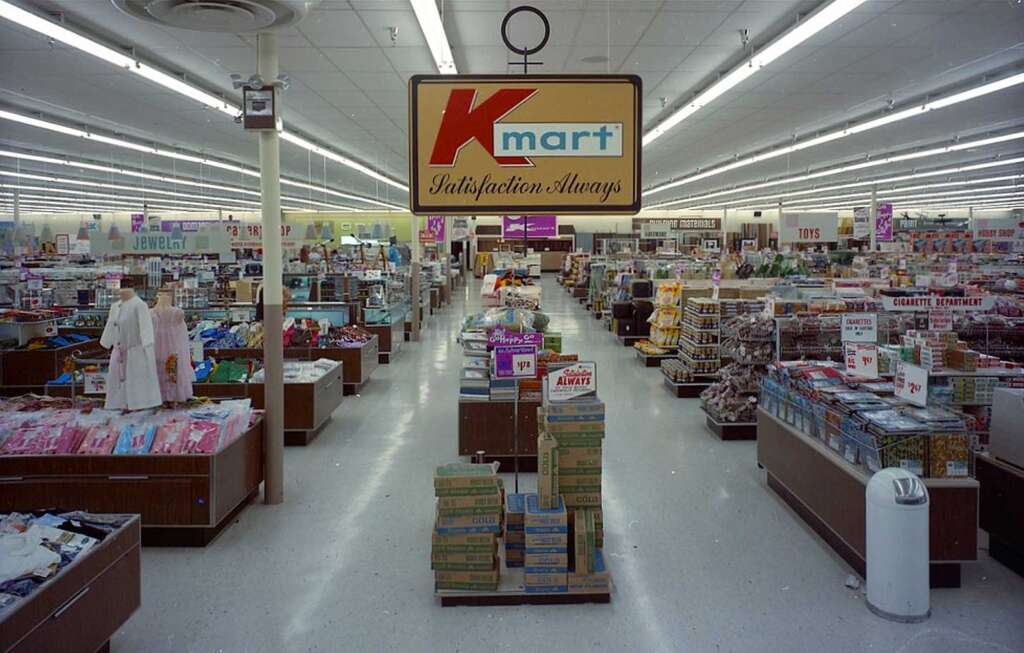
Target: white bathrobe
<point>132,382</point>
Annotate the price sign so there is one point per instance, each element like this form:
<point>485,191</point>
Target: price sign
<point>95,383</point>
<point>860,327</point>
<point>576,380</point>
<point>515,362</point>
<point>911,383</point>
<point>940,320</point>
<point>862,360</point>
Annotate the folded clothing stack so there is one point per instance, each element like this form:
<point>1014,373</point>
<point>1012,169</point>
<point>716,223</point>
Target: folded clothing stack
<point>204,428</point>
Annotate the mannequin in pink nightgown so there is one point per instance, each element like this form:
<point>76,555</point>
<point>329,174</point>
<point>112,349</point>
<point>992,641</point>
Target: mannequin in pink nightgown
<point>173,354</point>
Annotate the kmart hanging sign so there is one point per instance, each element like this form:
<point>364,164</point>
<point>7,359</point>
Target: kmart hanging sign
<point>499,144</point>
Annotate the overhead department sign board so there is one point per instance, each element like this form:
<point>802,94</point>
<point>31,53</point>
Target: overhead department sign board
<point>500,144</point>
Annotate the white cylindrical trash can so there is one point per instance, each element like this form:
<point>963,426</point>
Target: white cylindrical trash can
<point>897,546</point>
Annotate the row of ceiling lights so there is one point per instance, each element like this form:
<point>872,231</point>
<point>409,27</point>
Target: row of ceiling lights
<point>50,125</point>
<point>137,67</point>
<point>431,24</point>
<point>882,160</point>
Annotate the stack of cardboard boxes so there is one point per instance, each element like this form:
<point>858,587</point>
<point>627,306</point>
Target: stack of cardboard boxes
<point>515,535</point>
<point>577,428</point>
<point>547,546</point>
<point>464,552</point>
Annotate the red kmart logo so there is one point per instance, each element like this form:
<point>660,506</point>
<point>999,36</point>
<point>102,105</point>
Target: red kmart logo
<point>512,143</point>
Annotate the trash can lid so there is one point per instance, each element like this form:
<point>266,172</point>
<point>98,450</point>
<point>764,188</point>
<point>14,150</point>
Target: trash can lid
<point>896,486</point>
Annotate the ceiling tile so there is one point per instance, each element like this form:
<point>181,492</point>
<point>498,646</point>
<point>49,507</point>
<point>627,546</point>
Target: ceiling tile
<point>305,60</point>
<point>379,24</point>
<point>655,57</point>
<point>682,27</point>
<point>615,27</point>
<point>336,29</point>
<point>367,59</point>
<point>410,59</point>
<point>377,81</point>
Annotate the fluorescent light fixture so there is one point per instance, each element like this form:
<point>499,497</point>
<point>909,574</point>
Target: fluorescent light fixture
<point>133,198</point>
<point>852,200</point>
<point>823,189</point>
<point>804,30</point>
<point>916,110</point>
<point>135,203</point>
<point>861,165</point>
<point>433,31</point>
<point>214,163</point>
<point>85,44</point>
<point>316,149</point>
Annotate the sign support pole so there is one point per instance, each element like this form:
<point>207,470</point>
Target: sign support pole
<point>273,309</point>
<point>874,216</point>
<point>17,207</point>
<point>414,273</point>
<point>723,248</point>
<point>515,436</point>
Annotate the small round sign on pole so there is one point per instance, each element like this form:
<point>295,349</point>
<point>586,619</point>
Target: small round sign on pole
<point>525,52</point>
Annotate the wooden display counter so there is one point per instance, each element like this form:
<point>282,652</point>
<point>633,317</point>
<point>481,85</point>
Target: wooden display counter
<point>359,362</point>
<point>309,406</point>
<point>183,500</point>
<point>40,366</point>
<point>828,493</point>
<point>653,360</point>
<point>1001,510</point>
<point>389,340</point>
<point>488,426</point>
<point>81,607</point>
<point>684,389</point>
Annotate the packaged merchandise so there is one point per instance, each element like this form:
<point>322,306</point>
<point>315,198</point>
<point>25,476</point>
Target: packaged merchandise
<point>484,581</point>
<point>547,471</point>
<point>597,581</point>
<point>515,535</point>
<point>547,546</point>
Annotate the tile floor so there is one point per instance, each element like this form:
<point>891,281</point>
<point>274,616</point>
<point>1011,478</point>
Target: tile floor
<point>704,557</point>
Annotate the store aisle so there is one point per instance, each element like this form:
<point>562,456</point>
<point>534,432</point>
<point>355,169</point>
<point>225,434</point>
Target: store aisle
<point>703,557</point>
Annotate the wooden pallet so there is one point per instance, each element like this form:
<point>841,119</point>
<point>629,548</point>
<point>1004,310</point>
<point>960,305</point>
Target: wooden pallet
<point>512,591</point>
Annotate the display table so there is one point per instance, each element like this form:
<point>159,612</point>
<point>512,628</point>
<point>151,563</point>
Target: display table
<point>653,360</point>
<point>389,339</point>
<point>359,362</point>
<point>184,500</point>
<point>730,430</point>
<point>828,493</point>
<point>1002,510</point>
<point>488,426</point>
<point>81,607</point>
<point>23,367</point>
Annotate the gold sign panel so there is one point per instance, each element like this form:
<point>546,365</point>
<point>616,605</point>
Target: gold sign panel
<point>499,144</point>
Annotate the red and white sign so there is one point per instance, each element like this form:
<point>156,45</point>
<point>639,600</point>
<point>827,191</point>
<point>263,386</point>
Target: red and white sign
<point>860,327</point>
<point>932,302</point>
<point>249,235</point>
<point>940,320</point>
<point>862,359</point>
<point>911,383</point>
<point>576,380</point>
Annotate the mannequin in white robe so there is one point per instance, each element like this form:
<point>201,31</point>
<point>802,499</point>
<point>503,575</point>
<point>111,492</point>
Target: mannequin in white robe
<point>132,382</point>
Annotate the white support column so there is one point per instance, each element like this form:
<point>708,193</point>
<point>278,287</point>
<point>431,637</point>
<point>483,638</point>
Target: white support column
<point>874,216</point>
<point>17,206</point>
<point>725,229</point>
<point>273,310</point>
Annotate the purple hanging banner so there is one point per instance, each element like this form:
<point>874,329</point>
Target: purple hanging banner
<point>518,361</point>
<point>883,225</point>
<point>538,226</point>
<point>435,225</point>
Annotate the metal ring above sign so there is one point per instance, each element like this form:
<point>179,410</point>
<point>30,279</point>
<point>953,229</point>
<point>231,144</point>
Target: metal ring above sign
<point>526,52</point>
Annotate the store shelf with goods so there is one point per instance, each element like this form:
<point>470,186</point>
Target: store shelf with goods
<point>87,600</point>
<point>184,499</point>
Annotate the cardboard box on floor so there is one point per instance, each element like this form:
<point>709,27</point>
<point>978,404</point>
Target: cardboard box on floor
<point>547,473</point>
<point>597,582</point>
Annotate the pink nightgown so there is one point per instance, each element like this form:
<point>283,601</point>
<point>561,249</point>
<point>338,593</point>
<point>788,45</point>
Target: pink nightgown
<point>171,339</point>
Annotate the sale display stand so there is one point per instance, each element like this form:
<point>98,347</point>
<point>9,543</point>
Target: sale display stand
<point>492,427</point>
<point>84,604</point>
<point>183,499</point>
<point>799,466</point>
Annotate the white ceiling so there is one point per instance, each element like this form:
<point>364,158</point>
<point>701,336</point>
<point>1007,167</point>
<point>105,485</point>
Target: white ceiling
<point>349,79</point>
